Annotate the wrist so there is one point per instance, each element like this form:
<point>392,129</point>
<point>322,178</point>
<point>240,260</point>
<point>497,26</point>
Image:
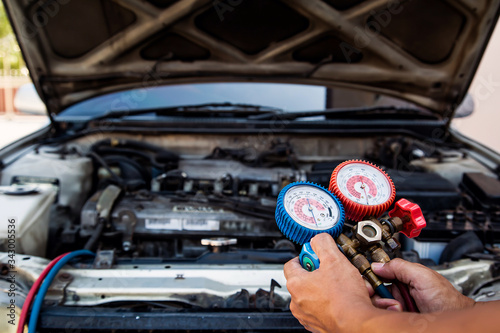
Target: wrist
<point>466,302</point>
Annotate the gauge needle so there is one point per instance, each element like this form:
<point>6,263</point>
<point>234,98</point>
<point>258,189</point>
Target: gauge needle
<point>363,186</point>
<point>311,210</point>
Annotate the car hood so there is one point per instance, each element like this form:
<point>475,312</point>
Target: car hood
<point>424,51</point>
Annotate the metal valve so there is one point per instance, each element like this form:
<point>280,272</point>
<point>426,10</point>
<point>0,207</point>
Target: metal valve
<point>411,216</point>
<point>368,233</point>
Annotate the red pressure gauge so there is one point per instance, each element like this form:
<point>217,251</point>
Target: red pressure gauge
<point>363,188</point>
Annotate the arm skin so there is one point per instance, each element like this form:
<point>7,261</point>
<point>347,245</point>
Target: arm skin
<point>335,298</point>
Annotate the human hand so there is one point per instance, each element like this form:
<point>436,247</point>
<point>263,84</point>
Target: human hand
<point>326,299</point>
<point>431,291</point>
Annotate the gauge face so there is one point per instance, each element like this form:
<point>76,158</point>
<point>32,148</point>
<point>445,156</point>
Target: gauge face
<point>364,184</point>
<point>311,207</point>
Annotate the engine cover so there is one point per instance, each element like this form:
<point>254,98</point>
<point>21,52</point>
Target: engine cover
<point>150,215</point>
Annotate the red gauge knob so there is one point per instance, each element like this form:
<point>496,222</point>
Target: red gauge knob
<point>364,189</point>
<point>411,215</point>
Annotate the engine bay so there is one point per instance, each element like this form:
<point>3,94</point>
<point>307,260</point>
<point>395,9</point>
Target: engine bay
<point>199,210</point>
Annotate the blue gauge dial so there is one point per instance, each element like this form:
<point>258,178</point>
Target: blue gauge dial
<point>305,209</point>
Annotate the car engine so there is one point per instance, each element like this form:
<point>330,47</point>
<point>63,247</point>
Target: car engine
<point>200,211</point>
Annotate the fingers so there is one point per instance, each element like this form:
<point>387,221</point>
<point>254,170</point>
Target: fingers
<point>401,270</point>
<point>397,295</point>
<point>298,313</point>
<point>369,287</point>
<point>292,268</point>
<point>307,320</point>
<point>326,249</point>
<point>387,304</point>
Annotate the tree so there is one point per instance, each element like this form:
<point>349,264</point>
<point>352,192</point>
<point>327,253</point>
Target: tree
<point>10,53</point>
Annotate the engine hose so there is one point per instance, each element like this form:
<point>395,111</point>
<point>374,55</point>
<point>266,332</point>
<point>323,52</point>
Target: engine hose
<point>126,164</point>
<point>464,244</point>
<point>92,242</point>
<point>383,292</point>
<point>105,165</point>
<point>33,291</point>
<point>166,154</point>
<point>37,305</point>
<point>409,301</point>
<point>131,152</point>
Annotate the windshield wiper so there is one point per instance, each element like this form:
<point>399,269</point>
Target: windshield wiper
<point>220,109</point>
<point>260,112</point>
<point>378,112</point>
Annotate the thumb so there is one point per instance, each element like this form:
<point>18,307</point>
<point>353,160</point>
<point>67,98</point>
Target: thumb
<point>398,269</point>
<point>326,249</point>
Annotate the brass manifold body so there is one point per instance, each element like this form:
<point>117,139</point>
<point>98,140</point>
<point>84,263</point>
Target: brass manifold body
<point>367,239</point>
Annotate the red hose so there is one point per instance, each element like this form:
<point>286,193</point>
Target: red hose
<point>405,293</point>
<point>32,293</point>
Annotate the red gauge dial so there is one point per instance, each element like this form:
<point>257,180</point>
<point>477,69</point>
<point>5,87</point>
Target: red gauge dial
<point>363,188</point>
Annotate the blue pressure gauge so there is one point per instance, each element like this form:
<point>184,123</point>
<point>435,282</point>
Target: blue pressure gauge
<point>304,210</point>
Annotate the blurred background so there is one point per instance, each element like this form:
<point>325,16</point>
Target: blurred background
<point>481,125</point>
<point>13,75</point>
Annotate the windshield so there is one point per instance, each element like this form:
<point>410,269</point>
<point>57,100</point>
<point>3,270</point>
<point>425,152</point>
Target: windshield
<point>288,97</point>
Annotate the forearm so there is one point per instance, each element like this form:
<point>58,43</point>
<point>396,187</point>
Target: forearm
<point>482,317</point>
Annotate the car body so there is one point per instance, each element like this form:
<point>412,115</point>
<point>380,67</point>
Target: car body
<point>27,101</point>
<point>175,124</point>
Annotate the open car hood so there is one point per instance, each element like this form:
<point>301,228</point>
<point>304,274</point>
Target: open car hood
<point>424,51</point>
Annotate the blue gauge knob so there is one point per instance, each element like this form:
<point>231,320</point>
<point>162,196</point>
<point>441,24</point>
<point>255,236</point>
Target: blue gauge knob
<point>306,209</point>
<point>308,258</point>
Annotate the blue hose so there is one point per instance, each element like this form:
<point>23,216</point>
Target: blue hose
<point>37,305</point>
<point>383,292</point>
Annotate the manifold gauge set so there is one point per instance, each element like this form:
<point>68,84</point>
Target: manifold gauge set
<point>360,192</point>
